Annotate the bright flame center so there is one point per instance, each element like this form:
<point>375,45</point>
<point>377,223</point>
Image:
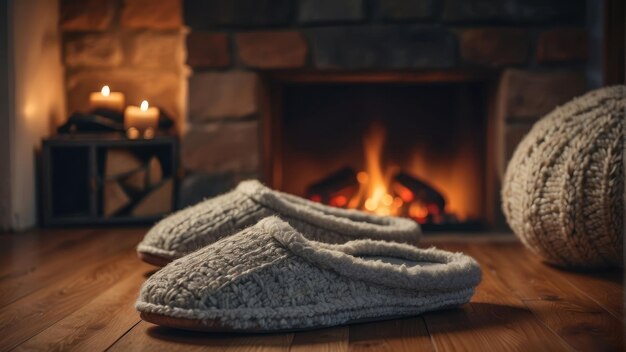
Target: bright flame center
<point>144,105</point>
<point>375,184</point>
<point>105,91</point>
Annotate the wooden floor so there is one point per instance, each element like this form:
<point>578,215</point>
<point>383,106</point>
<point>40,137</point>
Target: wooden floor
<point>75,289</point>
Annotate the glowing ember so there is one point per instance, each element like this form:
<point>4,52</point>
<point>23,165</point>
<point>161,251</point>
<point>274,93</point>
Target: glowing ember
<point>382,189</point>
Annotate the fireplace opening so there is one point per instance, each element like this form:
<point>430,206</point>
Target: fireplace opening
<point>412,149</point>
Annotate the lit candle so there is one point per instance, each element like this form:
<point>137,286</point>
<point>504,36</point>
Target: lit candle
<point>141,120</point>
<point>107,99</point>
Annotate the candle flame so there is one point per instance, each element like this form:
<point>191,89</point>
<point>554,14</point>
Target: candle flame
<point>144,105</point>
<point>106,91</point>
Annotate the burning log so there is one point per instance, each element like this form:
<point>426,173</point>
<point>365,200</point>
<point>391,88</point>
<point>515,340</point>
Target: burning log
<point>336,189</point>
<point>422,192</point>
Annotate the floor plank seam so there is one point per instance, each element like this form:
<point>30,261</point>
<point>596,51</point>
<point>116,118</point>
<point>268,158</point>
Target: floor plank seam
<point>78,269</point>
<point>523,301</point>
<point>430,336</point>
<point>52,322</point>
<point>584,293</point>
<point>122,335</point>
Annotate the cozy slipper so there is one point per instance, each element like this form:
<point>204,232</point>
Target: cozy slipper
<point>195,227</point>
<point>269,278</point>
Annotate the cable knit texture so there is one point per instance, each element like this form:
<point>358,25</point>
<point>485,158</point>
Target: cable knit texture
<point>202,224</point>
<point>563,189</point>
<point>270,277</point>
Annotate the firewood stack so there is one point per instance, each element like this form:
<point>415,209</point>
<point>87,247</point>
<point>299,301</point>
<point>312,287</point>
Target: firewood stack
<point>134,185</point>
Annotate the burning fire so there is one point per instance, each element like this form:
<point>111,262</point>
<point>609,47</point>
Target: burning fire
<point>385,192</point>
<point>383,189</point>
<point>374,195</point>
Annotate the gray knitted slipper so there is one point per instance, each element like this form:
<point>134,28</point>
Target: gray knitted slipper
<point>269,278</point>
<point>195,227</point>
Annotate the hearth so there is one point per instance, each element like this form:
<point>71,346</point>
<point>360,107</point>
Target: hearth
<point>412,145</point>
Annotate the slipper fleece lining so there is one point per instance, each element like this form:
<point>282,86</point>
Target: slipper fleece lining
<point>455,270</point>
<point>344,221</point>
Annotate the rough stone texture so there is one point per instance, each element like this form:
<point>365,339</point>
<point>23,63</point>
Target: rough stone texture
<point>217,95</point>
<point>272,49</point>
<point>208,14</point>
<point>92,50</point>
<point>222,147</point>
<point>563,44</point>
<point>162,14</point>
<point>550,11</point>
<point>86,15</point>
<point>495,46</point>
<point>156,50</point>
<point>514,132</point>
<point>206,50</point>
<point>406,9</point>
<point>312,11</point>
<point>382,47</point>
<point>530,95</point>
<point>160,88</point>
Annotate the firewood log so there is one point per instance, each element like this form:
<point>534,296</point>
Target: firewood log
<point>155,174</point>
<point>114,198</point>
<point>136,181</point>
<point>120,161</point>
<point>156,202</point>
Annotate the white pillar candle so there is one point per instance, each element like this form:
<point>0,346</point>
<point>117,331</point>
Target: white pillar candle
<point>107,99</point>
<point>141,120</point>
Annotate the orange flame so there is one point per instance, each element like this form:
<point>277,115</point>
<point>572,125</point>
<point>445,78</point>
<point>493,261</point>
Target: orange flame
<point>374,195</point>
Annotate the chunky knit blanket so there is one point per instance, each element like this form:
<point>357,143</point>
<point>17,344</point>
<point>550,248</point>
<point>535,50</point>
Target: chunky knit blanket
<point>197,226</point>
<point>270,277</point>
<point>563,192</point>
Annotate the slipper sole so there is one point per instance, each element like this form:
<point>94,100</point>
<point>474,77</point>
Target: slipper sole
<point>153,259</point>
<point>215,326</point>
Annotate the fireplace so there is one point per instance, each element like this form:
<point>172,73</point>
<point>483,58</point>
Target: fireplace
<point>205,63</point>
<point>412,144</point>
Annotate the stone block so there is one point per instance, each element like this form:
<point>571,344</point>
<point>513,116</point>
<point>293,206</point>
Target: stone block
<point>209,14</point>
<point>161,88</point>
<point>156,50</point>
<point>219,95</point>
<point>551,11</point>
<point>406,9</point>
<point>494,46</point>
<point>272,49</point>
<point>92,50</point>
<point>150,14</point>
<point>315,11</point>
<point>222,147</point>
<point>86,15</point>
<point>530,95</point>
<point>562,44</point>
<point>205,50</point>
<point>382,47</point>
<point>533,11</point>
<point>478,10</point>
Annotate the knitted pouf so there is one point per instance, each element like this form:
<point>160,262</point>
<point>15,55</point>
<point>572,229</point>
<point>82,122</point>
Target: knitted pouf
<point>563,189</point>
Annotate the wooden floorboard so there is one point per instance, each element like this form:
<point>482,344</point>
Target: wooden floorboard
<point>573,315</point>
<point>44,270</point>
<point>494,320</point>
<point>75,290</point>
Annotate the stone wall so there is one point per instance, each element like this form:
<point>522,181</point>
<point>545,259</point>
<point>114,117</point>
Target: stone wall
<point>201,60</point>
<point>538,48</point>
<point>135,46</point>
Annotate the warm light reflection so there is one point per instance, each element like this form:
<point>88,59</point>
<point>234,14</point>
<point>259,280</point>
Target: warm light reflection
<point>105,91</point>
<point>144,105</point>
